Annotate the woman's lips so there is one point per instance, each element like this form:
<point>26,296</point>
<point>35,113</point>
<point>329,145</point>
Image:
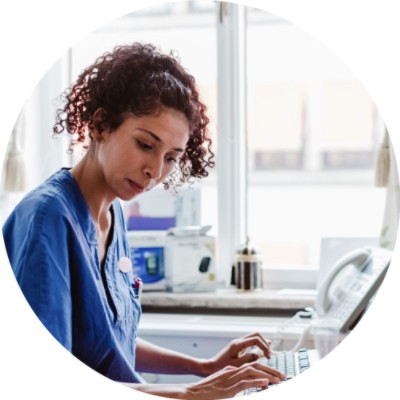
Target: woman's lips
<point>137,188</point>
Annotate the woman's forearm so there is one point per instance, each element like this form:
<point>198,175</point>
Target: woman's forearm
<point>156,359</point>
<point>175,391</point>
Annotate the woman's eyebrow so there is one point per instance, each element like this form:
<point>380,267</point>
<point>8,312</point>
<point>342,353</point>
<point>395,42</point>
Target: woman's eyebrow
<point>157,139</point>
<point>153,135</point>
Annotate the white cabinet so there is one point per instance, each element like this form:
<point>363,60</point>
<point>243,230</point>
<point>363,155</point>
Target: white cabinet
<point>201,347</point>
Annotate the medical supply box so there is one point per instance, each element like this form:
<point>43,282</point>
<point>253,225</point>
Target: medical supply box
<point>147,255</point>
<point>190,260</point>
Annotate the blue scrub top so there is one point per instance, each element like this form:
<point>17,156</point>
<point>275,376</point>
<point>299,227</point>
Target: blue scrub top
<point>91,310</point>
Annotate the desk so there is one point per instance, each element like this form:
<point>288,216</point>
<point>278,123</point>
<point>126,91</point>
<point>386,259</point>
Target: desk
<point>205,335</point>
<point>201,324</point>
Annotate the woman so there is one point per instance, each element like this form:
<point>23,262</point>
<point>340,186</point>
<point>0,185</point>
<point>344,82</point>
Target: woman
<point>139,115</point>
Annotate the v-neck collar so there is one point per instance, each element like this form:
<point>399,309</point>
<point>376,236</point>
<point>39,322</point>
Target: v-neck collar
<point>85,217</point>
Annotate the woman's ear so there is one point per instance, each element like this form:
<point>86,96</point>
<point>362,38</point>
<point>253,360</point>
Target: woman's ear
<point>98,125</point>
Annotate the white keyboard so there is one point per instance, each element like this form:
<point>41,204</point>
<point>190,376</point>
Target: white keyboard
<point>290,363</point>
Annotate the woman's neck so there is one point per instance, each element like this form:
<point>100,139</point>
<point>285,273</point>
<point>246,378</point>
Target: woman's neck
<point>91,182</point>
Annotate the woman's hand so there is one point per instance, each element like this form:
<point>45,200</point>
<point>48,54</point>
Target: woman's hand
<point>231,380</point>
<point>237,353</point>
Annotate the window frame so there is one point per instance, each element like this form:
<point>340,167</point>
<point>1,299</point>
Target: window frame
<point>232,136</point>
<point>233,157</point>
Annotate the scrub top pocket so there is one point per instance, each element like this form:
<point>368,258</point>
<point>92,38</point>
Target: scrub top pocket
<point>126,300</point>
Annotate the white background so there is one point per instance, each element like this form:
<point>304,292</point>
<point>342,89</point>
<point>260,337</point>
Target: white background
<point>34,34</point>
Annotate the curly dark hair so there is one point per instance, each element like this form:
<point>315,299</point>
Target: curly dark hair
<point>141,80</point>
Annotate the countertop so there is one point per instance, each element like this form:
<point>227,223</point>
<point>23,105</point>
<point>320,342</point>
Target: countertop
<point>229,299</point>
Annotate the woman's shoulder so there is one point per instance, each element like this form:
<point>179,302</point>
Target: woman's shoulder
<point>50,194</point>
<point>42,214</point>
<point>51,201</point>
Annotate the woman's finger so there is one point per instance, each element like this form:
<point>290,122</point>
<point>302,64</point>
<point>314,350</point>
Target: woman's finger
<point>230,381</point>
<point>249,359</point>
<point>240,345</point>
<point>254,371</point>
<point>269,370</point>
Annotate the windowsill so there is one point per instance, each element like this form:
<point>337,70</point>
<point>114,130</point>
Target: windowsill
<point>342,177</point>
<point>230,301</point>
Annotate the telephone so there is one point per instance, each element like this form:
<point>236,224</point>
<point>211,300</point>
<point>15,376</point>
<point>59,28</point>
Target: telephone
<point>351,283</point>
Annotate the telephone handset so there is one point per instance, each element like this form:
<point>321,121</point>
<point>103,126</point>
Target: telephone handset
<point>351,283</point>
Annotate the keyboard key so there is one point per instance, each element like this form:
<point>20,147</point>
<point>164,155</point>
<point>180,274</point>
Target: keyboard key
<point>285,362</point>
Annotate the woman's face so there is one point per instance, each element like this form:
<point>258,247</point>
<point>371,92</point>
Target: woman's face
<point>142,152</point>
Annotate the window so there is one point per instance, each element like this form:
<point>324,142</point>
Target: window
<point>313,132</point>
<point>297,131</point>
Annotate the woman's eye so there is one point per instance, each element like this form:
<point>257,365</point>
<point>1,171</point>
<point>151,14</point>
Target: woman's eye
<point>144,145</point>
<point>172,160</point>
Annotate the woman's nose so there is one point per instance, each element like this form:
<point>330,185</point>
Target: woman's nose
<point>153,169</point>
